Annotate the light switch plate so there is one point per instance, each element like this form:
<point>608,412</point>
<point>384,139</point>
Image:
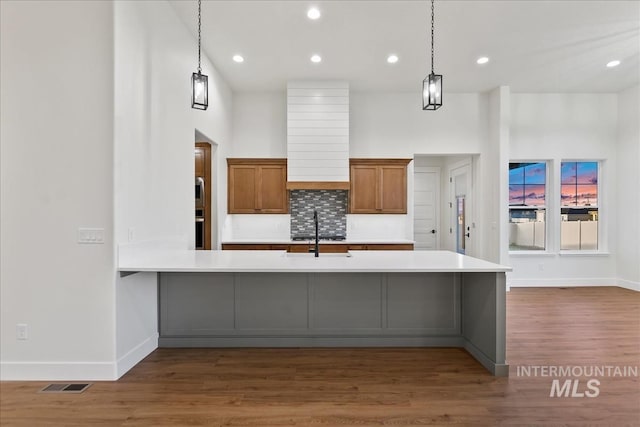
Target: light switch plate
<point>22,332</point>
<point>91,235</point>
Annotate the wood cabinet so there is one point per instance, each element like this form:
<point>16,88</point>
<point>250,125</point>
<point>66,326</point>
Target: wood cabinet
<point>386,247</point>
<point>257,186</point>
<point>378,186</point>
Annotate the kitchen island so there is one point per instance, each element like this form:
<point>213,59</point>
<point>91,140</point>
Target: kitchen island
<point>364,298</point>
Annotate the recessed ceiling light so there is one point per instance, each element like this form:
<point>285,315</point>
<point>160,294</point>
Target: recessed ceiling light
<point>316,58</point>
<point>238,58</point>
<point>482,60</point>
<point>313,13</point>
<point>612,64</point>
<point>392,59</point>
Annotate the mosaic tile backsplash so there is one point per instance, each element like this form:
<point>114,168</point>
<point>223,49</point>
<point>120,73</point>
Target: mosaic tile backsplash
<point>332,213</point>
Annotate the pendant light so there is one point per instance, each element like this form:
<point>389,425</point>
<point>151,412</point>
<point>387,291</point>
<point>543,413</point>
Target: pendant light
<point>432,84</point>
<point>199,82</point>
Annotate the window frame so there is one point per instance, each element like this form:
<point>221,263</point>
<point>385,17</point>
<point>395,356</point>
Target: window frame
<point>547,207</point>
<point>601,248</point>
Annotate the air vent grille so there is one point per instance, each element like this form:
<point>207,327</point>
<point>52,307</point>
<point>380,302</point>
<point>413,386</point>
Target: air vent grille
<point>65,388</point>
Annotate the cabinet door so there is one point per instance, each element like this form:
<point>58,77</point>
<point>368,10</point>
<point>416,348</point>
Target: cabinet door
<point>272,195</point>
<point>299,248</point>
<point>199,158</point>
<point>390,247</point>
<point>242,188</point>
<point>245,247</point>
<point>393,189</point>
<point>334,248</point>
<point>364,194</point>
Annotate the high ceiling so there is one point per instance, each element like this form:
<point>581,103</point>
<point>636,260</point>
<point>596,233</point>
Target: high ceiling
<point>533,46</point>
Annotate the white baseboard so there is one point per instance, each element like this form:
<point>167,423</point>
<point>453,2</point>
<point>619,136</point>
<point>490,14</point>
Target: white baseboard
<point>78,371</point>
<point>57,371</point>
<point>571,283</point>
<point>628,284</point>
<point>135,355</point>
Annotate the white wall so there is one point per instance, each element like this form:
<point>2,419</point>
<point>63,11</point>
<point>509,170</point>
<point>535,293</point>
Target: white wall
<point>56,69</point>
<point>381,125</point>
<point>494,198</point>
<point>628,184</point>
<point>96,119</point>
<point>155,56</point>
<point>260,124</point>
<point>154,145</point>
<point>394,125</point>
<point>560,127</point>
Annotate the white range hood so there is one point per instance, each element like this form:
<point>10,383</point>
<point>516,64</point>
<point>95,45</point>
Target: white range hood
<point>318,135</point>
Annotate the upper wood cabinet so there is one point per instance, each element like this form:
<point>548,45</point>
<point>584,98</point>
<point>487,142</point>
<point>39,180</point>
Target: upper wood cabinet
<point>257,186</point>
<point>378,186</point>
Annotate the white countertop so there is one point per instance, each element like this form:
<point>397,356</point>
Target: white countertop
<point>179,260</point>
<point>322,242</point>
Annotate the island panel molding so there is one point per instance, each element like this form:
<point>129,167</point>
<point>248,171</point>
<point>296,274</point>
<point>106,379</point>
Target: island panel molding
<point>338,309</point>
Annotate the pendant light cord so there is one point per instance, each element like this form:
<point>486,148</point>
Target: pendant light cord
<point>432,15</point>
<point>199,34</point>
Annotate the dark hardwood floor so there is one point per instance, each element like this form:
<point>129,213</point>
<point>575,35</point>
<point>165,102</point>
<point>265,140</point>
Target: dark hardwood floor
<point>579,327</point>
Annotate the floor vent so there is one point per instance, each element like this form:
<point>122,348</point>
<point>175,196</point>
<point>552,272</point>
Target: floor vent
<point>65,388</point>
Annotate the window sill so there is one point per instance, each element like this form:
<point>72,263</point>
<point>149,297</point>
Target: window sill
<point>524,254</point>
<point>583,253</point>
<point>531,253</point>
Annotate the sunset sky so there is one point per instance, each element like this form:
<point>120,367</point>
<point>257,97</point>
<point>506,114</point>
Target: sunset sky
<point>527,184</point>
<point>579,184</point>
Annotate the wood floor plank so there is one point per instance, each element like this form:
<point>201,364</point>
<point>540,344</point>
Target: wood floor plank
<point>372,386</point>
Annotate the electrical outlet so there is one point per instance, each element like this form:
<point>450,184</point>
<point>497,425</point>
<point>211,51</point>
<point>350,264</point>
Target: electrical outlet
<point>541,267</point>
<point>131,235</point>
<point>22,331</point>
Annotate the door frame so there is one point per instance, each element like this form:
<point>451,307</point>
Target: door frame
<point>457,169</point>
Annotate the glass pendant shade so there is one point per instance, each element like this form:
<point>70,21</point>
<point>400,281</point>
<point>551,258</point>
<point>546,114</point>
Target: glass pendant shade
<point>199,91</point>
<point>432,92</point>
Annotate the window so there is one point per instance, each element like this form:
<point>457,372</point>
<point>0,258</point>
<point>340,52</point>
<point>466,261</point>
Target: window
<point>527,206</point>
<point>579,206</point>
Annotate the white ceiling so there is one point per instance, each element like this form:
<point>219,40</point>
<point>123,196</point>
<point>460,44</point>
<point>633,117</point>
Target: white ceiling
<point>534,46</point>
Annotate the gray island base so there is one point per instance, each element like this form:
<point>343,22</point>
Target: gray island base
<point>336,309</point>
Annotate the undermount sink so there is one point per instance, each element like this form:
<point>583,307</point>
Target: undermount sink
<point>312,255</point>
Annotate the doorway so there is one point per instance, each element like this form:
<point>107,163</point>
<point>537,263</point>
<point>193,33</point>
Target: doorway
<point>203,205</point>
<point>460,205</point>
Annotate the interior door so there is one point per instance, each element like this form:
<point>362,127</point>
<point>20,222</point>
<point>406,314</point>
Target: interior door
<point>461,223</point>
<point>426,206</point>
<point>461,195</point>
